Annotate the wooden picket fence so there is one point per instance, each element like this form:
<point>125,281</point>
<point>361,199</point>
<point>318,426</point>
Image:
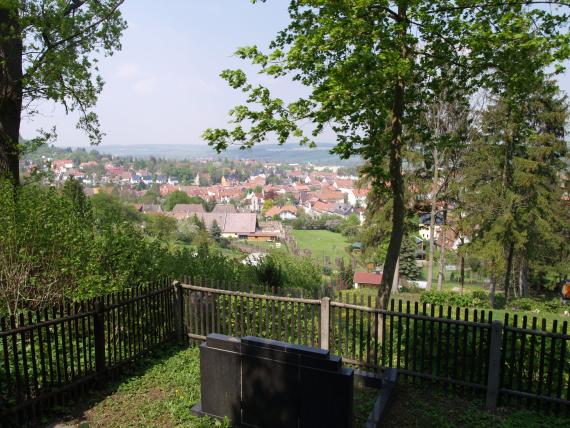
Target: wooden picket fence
<point>52,356</point>
<point>47,358</point>
<point>452,348</point>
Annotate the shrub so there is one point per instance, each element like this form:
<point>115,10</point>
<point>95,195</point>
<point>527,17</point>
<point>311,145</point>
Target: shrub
<point>477,299</point>
<point>528,304</point>
<point>524,304</point>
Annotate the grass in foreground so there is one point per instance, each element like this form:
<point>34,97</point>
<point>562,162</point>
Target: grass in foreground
<point>421,406</point>
<point>159,392</point>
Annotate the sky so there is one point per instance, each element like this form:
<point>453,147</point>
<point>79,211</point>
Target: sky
<point>163,87</point>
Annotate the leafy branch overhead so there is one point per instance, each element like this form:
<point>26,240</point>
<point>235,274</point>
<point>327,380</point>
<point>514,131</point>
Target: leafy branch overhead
<point>348,54</point>
<point>374,68</point>
<point>60,41</point>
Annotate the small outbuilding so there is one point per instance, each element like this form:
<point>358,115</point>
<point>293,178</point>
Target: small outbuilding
<point>367,279</point>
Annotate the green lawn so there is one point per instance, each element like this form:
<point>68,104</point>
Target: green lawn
<point>161,389</point>
<point>159,392</point>
<point>498,314</point>
<point>322,243</point>
<point>417,406</point>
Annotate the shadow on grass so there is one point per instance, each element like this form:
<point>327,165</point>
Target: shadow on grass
<point>75,408</point>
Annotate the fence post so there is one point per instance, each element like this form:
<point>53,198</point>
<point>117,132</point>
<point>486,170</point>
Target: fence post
<point>179,310</point>
<point>494,374</point>
<point>99,333</point>
<point>325,319</point>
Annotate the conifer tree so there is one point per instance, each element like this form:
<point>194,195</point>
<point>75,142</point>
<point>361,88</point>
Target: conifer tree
<point>408,267</point>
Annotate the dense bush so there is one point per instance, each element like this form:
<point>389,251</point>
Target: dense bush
<point>478,299</point>
<point>55,244</point>
<point>295,272</point>
<point>529,304</point>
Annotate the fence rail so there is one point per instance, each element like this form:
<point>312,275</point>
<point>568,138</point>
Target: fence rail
<point>450,347</point>
<point>49,356</point>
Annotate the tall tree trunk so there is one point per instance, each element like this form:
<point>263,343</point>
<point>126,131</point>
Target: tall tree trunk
<point>523,277</point>
<point>462,271</point>
<point>10,92</point>
<point>441,273</point>
<point>510,254</point>
<point>396,178</point>
<point>432,217</point>
<point>396,281</point>
<point>492,289</point>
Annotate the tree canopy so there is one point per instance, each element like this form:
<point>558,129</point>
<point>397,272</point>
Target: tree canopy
<point>48,51</point>
<point>373,68</point>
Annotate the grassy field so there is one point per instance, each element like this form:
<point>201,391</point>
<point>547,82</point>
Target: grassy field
<point>160,391</point>
<point>498,314</point>
<point>322,243</point>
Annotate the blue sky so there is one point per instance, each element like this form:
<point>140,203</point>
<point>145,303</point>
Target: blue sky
<point>164,86</point>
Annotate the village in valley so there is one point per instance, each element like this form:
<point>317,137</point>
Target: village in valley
<point>284,214</point>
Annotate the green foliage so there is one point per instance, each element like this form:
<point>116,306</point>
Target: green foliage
<point>350,227</point>
<point>73,190</point>
<point>408,267</point>
<point>216,231</point>
<point>186,231</point>
<point>346,274</point>
<point>108,209</point>
<point>176,197</point>
<point>514,198</point>
<point>208,263</point>
<point>49,249</point>
<point>296,272</point>
<point>475,299</point>
<point>161,227</point>
<point>535,305</point>
<point>269,273</point>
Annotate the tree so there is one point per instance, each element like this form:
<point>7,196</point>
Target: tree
<point>515,198</point>
<point>109,210</point>
<point>408,267</point>
<point>160,226</point>
<point>216,231</point>
<point>47,53</point>
<point>346,274</point>
<point>372,68</point>
<point>150,197</point>
<point>179,197</point>
<point>73,190</point>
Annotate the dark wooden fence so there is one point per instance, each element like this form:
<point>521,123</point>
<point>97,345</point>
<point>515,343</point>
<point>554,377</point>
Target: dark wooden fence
<point>49,357</point>
<point>451,347</point>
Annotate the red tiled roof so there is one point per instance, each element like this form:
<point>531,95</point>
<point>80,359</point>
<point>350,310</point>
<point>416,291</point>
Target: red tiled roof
<point>367,278</point>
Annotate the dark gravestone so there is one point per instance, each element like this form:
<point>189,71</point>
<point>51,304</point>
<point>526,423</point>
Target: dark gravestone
<point>220,360</point>
<point>282,385</point>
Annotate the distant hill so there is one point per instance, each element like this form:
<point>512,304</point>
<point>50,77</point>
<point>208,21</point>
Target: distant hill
<point>288,153</point>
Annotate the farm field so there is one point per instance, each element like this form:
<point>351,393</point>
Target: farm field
<point>322,243</point>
